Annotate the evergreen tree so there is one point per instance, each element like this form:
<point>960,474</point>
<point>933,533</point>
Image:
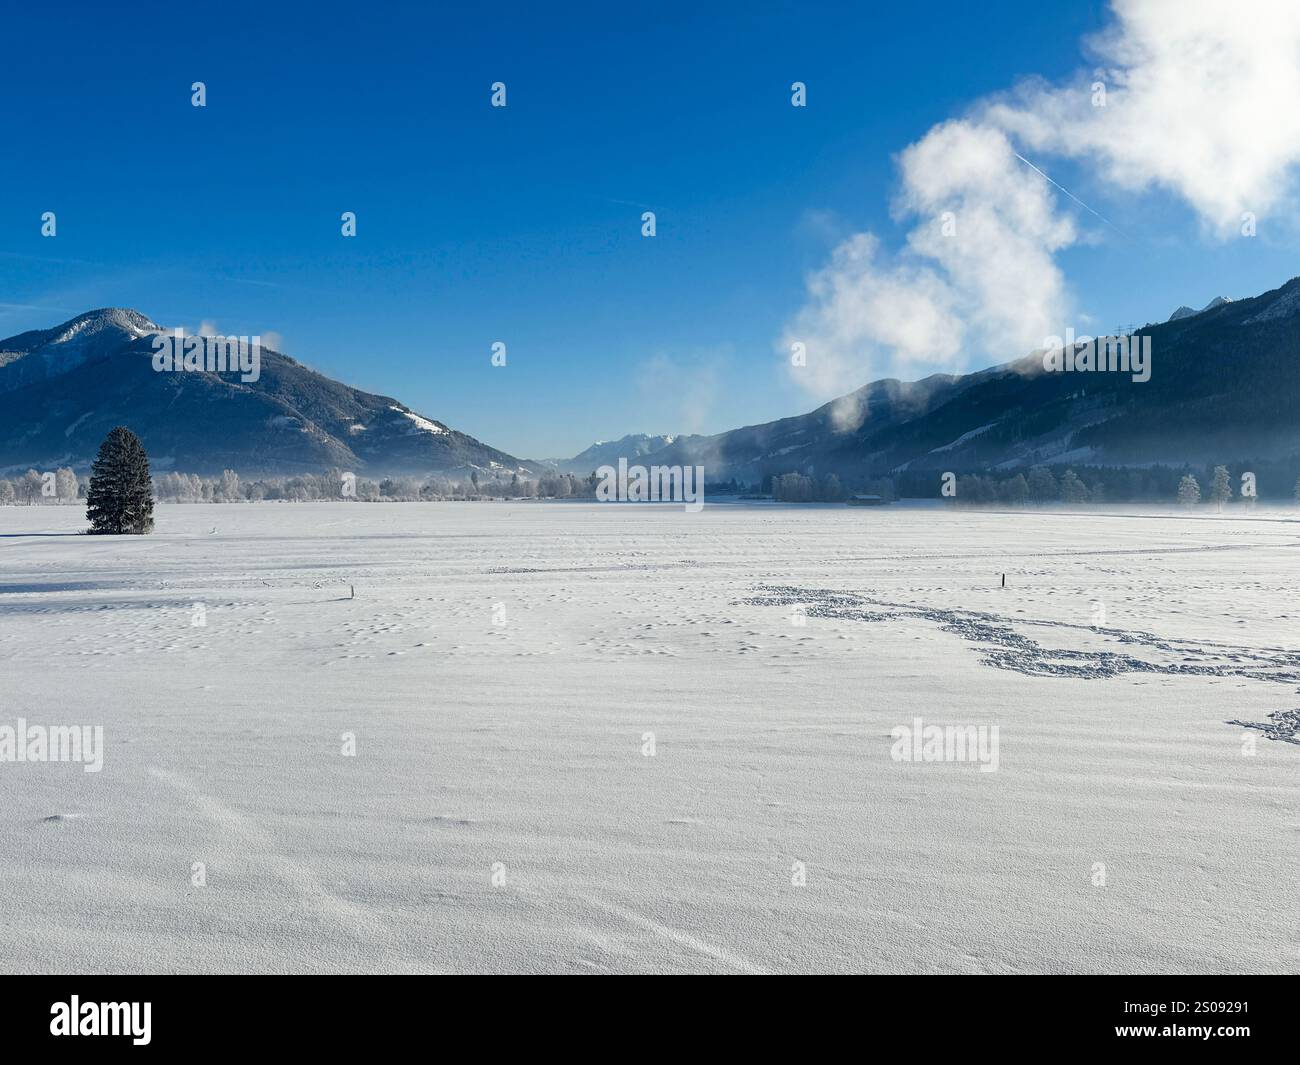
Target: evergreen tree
<point>1189,492</point>
<point>1297,489</point>
<point>120,496</point>
<point>1017,490</point>
<point>832,490</point>
<point>1042,485</point>
<point>1220,487</point>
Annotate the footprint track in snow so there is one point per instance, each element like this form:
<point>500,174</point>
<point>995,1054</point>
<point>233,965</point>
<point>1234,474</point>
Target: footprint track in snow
<point>1004,648</point>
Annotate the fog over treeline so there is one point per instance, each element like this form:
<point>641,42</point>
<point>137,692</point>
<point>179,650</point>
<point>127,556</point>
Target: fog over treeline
<point>1034,486</point>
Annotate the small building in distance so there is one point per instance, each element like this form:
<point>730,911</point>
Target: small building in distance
<point>866,501</point>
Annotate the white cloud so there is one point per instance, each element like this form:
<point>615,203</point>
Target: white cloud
<point>977,272</point>
<point>1199,102</point>
<point>861,307</point>
<point>997,252</point>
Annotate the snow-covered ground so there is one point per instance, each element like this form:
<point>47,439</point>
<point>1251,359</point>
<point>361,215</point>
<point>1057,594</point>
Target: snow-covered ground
<point>501,666</point>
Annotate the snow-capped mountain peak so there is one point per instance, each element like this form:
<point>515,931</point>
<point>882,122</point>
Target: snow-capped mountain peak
<point>62,389</point>
<point>1187,312</point>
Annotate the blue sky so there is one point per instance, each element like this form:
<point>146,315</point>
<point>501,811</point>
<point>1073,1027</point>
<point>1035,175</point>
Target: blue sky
<point>522,224</point>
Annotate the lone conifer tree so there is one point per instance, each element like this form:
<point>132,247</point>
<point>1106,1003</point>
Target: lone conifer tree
<point>120,496</point>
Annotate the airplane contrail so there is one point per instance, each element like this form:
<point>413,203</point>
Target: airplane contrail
<point>1070,194</point>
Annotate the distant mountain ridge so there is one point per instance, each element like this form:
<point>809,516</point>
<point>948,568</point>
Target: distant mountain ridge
<point>608,452</point>
<point>1187,312</point>
<point>1225,386</point>
<point>63,389</point>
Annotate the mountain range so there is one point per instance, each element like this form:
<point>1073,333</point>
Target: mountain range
<point>607,452</point>
<point>1224,387</point>
<point>63,389</point>
<point>1187,312</point>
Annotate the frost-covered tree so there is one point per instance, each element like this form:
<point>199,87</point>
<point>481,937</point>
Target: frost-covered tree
<point>793,488</point>
<point>1073,490</point>
<point>65,484</point>
<point>1189,492</point>
<point>29,487</point>
<point>120,497</point>
<point>228,491</point>
<point>7,494</point>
